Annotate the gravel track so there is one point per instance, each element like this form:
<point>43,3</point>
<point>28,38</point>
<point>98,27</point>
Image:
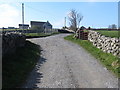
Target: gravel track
<point>66,65</point>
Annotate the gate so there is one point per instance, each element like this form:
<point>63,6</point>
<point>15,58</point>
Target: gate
<point>83,35</point>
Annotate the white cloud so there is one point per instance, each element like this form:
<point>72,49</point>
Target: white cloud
<point>9,16</point>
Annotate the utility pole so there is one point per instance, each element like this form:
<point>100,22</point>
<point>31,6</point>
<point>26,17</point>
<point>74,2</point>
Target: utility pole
<point>65,22</point>
<point>23,16</point>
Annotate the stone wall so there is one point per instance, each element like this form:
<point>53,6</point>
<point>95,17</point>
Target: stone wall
<point>10,41</point>
<point>107,44</point>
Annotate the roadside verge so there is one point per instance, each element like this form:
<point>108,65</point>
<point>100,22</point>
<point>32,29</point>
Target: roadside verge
<point>106,59</point>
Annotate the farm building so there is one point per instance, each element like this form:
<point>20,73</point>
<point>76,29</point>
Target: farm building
<point>23,26</point>
<point>42,25</point>
<point>11,28</point>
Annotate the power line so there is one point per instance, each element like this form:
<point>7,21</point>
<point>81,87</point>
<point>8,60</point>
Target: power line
<point>39,11</point>
<point>36,10</point>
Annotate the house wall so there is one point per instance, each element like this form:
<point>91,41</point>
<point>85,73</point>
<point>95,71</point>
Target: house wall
<point>36,24</point>
<point>25,27</point>
<point>47,26</point>
<point>106,44</point>
<point>42,25</point>
<point>32,26</point>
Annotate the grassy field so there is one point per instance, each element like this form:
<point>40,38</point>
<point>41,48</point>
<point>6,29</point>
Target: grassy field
<point>11,29</point>
<point>41,34</point>
<point>36,34</point>
<point>105,58</point>
<point>110,33</point>
<point>16,67</point>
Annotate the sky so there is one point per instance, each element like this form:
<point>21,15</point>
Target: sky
<point>95,14</point>
<point>119,14</point>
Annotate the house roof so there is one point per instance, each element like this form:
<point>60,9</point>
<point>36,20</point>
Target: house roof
<point>39,23</point>
<point>48,23</point>
<point>23,25</point>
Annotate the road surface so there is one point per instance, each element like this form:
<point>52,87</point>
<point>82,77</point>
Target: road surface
<point>64,64</point>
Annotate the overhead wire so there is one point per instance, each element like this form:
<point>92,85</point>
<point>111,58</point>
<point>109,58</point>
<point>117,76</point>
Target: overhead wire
<point>40,11</point>
<point>35,10</point>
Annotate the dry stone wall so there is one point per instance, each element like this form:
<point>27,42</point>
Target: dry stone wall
<point>107,44</point>
<point>10,41</point>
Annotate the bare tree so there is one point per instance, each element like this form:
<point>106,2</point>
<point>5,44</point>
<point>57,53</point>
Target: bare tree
<point>74,19</point>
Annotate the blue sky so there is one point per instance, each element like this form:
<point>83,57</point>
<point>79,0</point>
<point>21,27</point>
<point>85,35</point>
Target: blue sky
<point>95,14</point>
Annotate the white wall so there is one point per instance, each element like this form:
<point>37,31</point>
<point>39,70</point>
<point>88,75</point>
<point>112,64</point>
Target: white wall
<point>25,27</point>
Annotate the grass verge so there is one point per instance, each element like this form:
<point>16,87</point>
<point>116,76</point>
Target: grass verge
<point>105,58</point>
<point>16,67</point>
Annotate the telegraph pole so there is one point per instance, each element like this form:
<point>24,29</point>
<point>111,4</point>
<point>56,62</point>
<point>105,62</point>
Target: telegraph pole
<point>23,16</point>
<point>65,22</point>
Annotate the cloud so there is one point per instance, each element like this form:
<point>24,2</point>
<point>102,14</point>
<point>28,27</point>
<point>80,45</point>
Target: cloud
<point>9,16</point>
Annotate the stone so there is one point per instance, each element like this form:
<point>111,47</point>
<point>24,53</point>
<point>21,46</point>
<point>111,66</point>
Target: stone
<point>10,41</point>
<point>107,44</point>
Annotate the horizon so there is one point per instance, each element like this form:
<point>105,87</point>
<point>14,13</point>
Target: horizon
<point>55,12</point>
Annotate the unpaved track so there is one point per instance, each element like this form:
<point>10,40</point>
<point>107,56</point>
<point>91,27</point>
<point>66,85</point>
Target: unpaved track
<point>66,65</point>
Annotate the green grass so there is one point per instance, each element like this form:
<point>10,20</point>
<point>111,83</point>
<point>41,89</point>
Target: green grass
<point>12,29</point>
<point>110,33</point>
<point>105,58</point>
<point>35,34</point>
<point>16,67</point>
<point>41,34</point>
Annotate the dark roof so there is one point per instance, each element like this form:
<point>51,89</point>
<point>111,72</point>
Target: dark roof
<point>48,23</point>
<point>11,27</point>
<point>37,23</point>
<point>82,28</point>
<point>23,25</point>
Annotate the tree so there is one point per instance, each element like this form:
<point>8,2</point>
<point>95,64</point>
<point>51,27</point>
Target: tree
<point>74,19</point>
<point>64,27</point>
<point>113,26</point>
<point>109,26</point>
<point>89,28</point>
